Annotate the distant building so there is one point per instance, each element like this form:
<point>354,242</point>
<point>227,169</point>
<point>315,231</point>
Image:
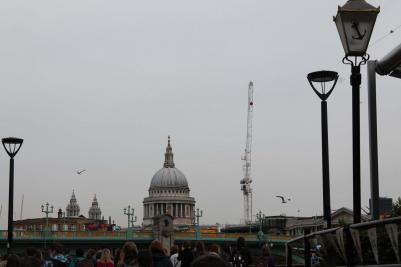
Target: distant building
<point>169,194</point>
<point>73,209</point>
<point>294,226</point>
<point>69,221</point>
<point>94,211</point>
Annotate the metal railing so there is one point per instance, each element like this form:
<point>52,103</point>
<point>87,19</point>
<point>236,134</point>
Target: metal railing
<point>122,235</point>
<point>368,243</point>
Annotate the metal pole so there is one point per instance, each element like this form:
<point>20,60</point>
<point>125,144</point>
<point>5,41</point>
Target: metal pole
<point>356,142</point>
<point>373,150</point>
<point>47,223</point>
<point>307,248</point>
<point>289,255</point>
<point>10,208</point>
<point>325,166</point>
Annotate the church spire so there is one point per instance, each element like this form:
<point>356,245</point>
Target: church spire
<point>73,198</point>
<point>168,156</point>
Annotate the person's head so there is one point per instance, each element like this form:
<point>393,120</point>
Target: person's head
<point>240,242</point>
<point>145,259</point>
<point>79,252</point>
<point>187,245</point>
<point>266,250</point>
<point>117,252</point>
<point>174,250</point>
<point>215,248</point>
<point>38,254</point>
<point>209,260</point>
<point>129,250</point>
<point>13,261</point>
<point>156,247</point>
<point>106,255</point>
<point>30,251</point>
<point>57,249</point>
<point>90,253</point>
<point>200,247</point>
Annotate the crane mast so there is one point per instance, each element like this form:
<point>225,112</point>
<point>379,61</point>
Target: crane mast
<point>247,180</point>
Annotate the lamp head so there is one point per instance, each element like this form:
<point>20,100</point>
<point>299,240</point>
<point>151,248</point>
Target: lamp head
<point>12,145</point>
<point>355,21</point>
<point>323,78</point>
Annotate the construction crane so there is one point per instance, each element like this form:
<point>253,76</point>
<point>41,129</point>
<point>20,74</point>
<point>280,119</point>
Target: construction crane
<point>246,181</point>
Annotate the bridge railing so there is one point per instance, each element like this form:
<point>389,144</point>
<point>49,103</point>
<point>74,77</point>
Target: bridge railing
<point>41,235</point>
<point>123,235</point>
<point>368,243</point>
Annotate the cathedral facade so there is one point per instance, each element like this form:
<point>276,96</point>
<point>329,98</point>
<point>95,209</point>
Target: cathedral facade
<point>169,194</point>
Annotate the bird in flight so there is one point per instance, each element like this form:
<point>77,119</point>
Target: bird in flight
<point>81,171</point>
<point>283,200</point>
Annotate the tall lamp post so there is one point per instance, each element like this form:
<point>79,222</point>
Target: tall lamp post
<point>322,78</point>
<point>47,211</point>
<point>12,145</point>
<point>130,214</point>
<point>355,21</point>
<point>197,215</point>
<point>259,217</point>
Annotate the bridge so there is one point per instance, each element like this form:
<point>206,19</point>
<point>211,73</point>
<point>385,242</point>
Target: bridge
<point>142,237</point>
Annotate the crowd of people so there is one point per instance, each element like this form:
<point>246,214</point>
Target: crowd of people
<point>154,256</point>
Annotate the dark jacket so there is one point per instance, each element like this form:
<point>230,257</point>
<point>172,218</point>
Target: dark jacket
<point>265,261</point>
<point>186,257</point>
<point>241,257</point>
<point>161,260</point>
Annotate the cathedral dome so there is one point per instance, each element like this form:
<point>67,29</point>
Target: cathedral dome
<point>169,194</point>
<point>169,176</point>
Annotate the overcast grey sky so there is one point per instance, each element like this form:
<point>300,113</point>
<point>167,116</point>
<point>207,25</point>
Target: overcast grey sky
<point>100,84</point>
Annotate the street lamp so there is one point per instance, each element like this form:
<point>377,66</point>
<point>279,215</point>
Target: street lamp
<point>322,78</point>
<point>355,21</point>
<point>12,145</point>
<point>47,211</point>
<point>259,217</point>
<point>130,214</point>
<point>198,214</point>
